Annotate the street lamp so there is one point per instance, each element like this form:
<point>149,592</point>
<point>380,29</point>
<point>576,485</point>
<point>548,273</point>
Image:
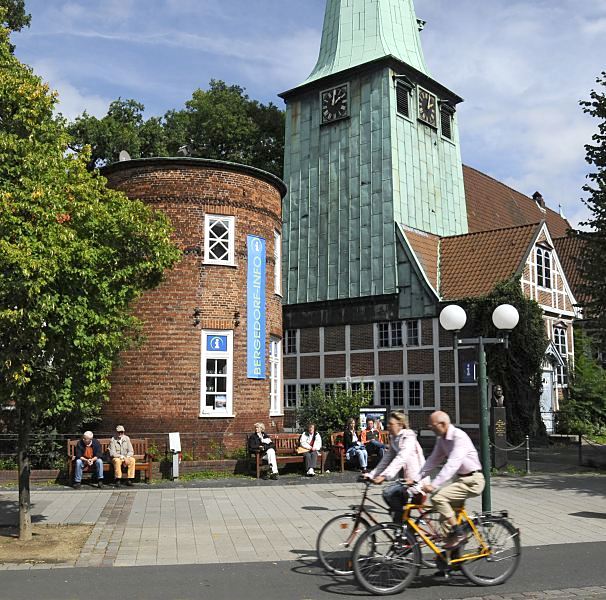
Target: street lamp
<point>505,317</point>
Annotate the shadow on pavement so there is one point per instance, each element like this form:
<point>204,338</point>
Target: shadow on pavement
<point>9,514</point>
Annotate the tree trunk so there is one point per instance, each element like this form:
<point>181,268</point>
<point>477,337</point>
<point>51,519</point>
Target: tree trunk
<point>25,517</point>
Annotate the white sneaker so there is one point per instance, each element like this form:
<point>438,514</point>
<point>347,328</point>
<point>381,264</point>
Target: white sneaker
<point>311,472</point>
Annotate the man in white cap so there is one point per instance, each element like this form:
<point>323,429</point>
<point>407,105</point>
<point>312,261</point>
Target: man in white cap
<point>88,457</point>
<point>121,452</point>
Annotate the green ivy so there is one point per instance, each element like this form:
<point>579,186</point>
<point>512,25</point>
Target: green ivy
<point>519,368</point>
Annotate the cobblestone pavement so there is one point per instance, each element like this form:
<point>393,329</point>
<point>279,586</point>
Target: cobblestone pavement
<point>275,522</point>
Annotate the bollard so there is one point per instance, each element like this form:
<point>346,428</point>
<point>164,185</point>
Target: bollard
<point>527,455</point>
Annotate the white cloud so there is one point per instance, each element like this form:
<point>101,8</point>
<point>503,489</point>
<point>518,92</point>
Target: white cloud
<point>72,101</point>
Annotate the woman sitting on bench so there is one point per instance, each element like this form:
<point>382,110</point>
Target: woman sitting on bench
<point>354,448</point>
<point>260,442</point>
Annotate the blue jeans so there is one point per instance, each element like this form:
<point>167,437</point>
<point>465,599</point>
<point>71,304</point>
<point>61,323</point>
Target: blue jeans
<point>378,447</point>
<point>97,466</point>
<point>394,498</point>
<point>361,453</point>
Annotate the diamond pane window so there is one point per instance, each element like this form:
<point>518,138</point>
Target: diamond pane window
<point>219,240</point>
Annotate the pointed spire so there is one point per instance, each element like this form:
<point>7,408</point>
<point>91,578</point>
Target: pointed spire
<point>359,31</point>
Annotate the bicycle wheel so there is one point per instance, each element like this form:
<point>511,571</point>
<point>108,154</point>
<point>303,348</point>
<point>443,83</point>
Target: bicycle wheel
<point>503,540</point>
<point>386,559</point>
<point>336,540</point>
<point>430,523</point>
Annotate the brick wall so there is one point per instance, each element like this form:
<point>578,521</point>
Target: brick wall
<point>391,362</point>
<point>157,386</point>
<point>334,339</point>
<point>362,364</point>
<point>334,365</point>
<point>362,336</point>
<point>420,362</point>
<point>309,340</point>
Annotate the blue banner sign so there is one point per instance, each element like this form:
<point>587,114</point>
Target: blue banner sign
<point>255,297</point>
<point>216,343</point>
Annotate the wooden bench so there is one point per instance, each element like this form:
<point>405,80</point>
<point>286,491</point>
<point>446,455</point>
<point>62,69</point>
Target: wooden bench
<point>143,461</point>
<point>338,447</point>
<point>285,445</point>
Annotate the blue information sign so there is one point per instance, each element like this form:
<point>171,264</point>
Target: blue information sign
<point>255,296</point>
<point>216,343</point>
<point>469,372</point>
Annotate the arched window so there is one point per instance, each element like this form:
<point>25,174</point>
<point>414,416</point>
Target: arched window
<point>543,267</point>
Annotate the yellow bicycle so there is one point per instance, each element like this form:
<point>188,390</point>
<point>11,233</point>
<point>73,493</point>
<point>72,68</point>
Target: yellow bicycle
<point>388,556</point>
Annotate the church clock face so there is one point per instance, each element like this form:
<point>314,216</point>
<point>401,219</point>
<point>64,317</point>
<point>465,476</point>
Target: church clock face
<point>428,108</point>
<point>335,104</point>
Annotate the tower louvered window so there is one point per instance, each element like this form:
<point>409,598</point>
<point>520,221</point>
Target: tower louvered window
<point>446,121</point>
<point>403,99</point>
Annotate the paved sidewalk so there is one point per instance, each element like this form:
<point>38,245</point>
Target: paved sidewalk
<point>276,522</point>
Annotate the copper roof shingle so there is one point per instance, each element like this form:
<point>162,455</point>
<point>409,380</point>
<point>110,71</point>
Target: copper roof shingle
<point>472,264</point>
<point>492,204</point>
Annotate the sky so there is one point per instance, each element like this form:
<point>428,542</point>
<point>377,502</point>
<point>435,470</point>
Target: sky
<point>522,67</point>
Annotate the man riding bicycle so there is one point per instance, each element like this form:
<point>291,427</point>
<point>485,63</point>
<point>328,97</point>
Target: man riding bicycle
<point>462,466</point>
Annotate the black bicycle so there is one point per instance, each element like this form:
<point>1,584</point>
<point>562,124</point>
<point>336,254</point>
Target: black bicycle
<point>337,537</point>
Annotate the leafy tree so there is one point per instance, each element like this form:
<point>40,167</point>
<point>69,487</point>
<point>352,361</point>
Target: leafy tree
<point>14,17</point>
<point>123,128</point>
<point>593,265</point>
<point>330,411</point>
<point>221,122</point>
<point>584,411</point>
<point>517,368</point>
<point>74,255</point>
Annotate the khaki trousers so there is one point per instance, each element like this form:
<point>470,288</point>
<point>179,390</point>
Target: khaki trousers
<point>454,494</point>
<point>129,461</point>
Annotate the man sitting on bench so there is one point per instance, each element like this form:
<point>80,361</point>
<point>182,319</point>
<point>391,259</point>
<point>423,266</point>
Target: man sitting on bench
<point>121,452</point>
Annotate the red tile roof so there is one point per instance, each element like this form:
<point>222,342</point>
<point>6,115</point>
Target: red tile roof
<point>570,252</point>
<point>426,246</point>
<point>492,204</point>
<point>472,264</point>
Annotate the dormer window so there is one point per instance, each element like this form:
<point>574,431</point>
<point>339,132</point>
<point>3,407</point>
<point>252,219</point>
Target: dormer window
<point>544,268</point>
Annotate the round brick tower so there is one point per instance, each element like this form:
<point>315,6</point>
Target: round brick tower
<point>204,366</point>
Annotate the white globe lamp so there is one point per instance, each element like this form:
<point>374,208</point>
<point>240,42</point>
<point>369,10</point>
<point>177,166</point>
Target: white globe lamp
<point>505,317</point>
<point>453,318</point>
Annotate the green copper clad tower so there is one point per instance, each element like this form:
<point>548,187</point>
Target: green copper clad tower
<point>371,145</point>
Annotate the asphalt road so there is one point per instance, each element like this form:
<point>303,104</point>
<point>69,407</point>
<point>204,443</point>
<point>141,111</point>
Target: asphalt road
<point>542,568</point>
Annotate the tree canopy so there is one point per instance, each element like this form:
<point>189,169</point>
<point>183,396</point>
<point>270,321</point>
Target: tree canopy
<point>593,265</point>
<point>74,255</point>
<point>518,369</point>
<point>221,122</point>
<point>13,16</point>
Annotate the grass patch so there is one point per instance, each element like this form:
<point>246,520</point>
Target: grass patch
<point>204,476</point>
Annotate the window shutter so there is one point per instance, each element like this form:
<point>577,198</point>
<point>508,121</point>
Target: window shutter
<point>446,120</point>
<point>403,99</point>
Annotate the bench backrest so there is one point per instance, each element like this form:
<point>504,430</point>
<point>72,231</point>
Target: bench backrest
<point>338,436</point>
<point>140,446</point>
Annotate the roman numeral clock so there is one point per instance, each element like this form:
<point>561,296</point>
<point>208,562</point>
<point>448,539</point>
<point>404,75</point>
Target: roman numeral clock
<point>335,104</point>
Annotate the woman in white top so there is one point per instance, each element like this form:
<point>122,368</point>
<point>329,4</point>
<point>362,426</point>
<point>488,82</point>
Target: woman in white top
<point>311,441</point>
<point>403,458</point>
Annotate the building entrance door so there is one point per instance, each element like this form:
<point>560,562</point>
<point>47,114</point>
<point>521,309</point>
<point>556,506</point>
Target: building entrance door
<point>546,402</point>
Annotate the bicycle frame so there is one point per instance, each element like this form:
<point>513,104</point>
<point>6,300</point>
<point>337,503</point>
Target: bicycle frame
<point>461,517</point>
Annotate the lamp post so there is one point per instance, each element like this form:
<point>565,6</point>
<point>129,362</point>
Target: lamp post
<point>505,317</point>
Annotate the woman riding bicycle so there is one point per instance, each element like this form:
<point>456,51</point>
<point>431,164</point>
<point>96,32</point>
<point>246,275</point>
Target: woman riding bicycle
<point>403,458</point>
